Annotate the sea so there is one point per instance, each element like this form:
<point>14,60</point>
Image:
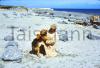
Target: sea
<point>86,11</point>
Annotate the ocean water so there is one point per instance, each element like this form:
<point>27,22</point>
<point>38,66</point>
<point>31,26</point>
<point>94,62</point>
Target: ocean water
<point>87,11</point>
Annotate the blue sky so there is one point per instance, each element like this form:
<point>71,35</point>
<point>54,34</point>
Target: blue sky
<point>74,4</point>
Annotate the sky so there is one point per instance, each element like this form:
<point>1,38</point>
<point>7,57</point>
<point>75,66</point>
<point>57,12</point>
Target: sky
<point>71,4</point>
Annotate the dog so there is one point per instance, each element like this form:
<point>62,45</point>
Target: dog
<point>38,46</point>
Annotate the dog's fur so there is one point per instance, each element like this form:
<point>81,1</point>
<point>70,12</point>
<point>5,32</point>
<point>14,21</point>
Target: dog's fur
<point>37,47</point>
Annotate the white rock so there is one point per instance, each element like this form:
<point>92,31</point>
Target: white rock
<point>12,53</point>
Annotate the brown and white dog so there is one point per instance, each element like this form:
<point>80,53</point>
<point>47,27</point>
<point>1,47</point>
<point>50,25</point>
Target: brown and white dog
<point>38,43</point>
